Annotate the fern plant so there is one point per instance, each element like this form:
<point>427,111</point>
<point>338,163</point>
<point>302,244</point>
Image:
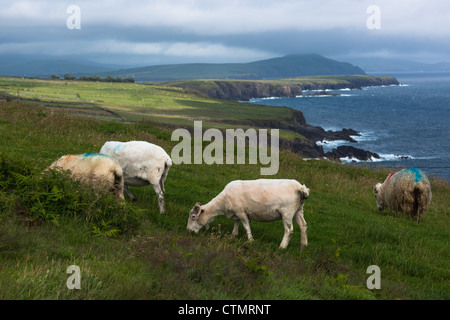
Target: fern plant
<point>50,195</point>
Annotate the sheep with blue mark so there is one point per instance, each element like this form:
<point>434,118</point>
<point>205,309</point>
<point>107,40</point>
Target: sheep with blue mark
<point>97,170</point>
<point>143,163</point>
<point>407,191</point>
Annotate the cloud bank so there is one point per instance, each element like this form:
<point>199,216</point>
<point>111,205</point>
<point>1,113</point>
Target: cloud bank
<point>147,32</point>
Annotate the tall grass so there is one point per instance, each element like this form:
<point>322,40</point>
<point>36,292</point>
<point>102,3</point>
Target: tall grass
<point>153,257</point>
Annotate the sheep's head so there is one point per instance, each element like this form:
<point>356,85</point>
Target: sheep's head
<point>57,164</point>
<point>377,192</point>
<point>193,222</point>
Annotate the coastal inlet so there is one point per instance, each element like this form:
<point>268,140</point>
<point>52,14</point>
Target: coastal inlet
<point>256,91</point>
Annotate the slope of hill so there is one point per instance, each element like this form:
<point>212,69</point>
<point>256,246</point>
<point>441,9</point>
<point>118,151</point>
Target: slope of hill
<point>283,67</point>
<point>398,65</point>
<point>45,68</point>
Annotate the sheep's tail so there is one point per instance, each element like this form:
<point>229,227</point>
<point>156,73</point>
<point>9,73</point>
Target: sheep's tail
<point>421,200</point>
<point>167,164</point>
<point>303,192</point>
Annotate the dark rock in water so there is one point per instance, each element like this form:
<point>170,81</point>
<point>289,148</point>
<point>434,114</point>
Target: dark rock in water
<point>352,153</point>
<point>319,134</point>
<point>304,148</point>
<point>402,157</point>
<point>320,93</point>
<point>344,134</point>
<point>308,147</point>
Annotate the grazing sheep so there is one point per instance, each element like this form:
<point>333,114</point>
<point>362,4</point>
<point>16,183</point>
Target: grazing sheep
<point>143,163</point>
<point>259,200</point>
<point>407,191</point>
<point>97,170</point>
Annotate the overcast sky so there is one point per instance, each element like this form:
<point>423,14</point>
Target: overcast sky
<point>130,32</point>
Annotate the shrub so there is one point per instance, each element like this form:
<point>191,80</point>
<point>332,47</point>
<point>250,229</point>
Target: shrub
<point>50,195</point>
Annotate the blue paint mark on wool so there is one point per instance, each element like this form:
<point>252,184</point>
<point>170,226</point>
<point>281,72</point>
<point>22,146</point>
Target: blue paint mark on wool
<point>417,174</point>
<point>94,154</point>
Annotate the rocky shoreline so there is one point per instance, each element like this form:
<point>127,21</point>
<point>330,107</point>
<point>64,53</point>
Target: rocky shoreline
<point>308,148</point>
<point>244,90</point>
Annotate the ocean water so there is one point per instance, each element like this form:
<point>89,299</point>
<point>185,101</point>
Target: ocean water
<point>407,125</point>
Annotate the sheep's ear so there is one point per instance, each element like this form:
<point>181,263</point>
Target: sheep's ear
<point>376,188</point>
<point>196,210</point>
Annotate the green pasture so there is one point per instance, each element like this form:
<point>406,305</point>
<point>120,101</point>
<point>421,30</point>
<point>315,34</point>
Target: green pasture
<point>155,257</point>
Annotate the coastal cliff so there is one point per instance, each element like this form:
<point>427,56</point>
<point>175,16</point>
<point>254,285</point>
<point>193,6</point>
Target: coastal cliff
<point>244,90</point>
<point>308,146</point>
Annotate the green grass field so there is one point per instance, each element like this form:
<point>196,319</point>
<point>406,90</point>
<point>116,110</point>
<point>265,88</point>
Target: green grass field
<point>157,258</point>
<point>136,102</point>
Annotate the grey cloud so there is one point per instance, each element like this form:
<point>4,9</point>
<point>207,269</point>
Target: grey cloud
<point>148,32</point>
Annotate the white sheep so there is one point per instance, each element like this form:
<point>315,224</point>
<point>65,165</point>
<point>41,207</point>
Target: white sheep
<point>258,200</point>
<point>407,191</point>
<point>97,170</point>
<point>143,163</point>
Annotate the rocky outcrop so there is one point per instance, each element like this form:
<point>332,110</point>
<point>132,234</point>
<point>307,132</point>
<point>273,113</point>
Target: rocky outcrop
<point>351,153</point>
<point>304,148</point>
<point>309,149</point>
<point>351,82</point>
<point>244,90</point>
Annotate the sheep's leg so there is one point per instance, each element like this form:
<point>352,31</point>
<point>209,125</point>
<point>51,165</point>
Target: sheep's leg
<point>302,224</point>
<point>162,180</point>
<point>246,224</point>
<point>160,195</point>
<point>132,197</point>
<point>288,230</point>
<point>235,228</point>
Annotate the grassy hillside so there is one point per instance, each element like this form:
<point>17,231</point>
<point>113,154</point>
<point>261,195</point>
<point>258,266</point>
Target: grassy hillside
<point>135,102</point>
<point>156,258</point>
<point>283,67</point>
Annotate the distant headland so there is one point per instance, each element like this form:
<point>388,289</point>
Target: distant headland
<point>244,90</point>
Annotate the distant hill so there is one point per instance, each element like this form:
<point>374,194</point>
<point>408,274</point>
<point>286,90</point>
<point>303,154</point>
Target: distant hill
<point>397,65</point>
<point>45,68</point>
<point>284,67</point>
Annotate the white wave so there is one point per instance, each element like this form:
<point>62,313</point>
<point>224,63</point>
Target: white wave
<point>267,98</point>
<point>386,157</point>
<point>331,143</point>
<point>315,96</point>
<point>349,159</point>
<point>394,157</point>
<point>366,136</point>
<point>383,157</point>
<point>316,90</point>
